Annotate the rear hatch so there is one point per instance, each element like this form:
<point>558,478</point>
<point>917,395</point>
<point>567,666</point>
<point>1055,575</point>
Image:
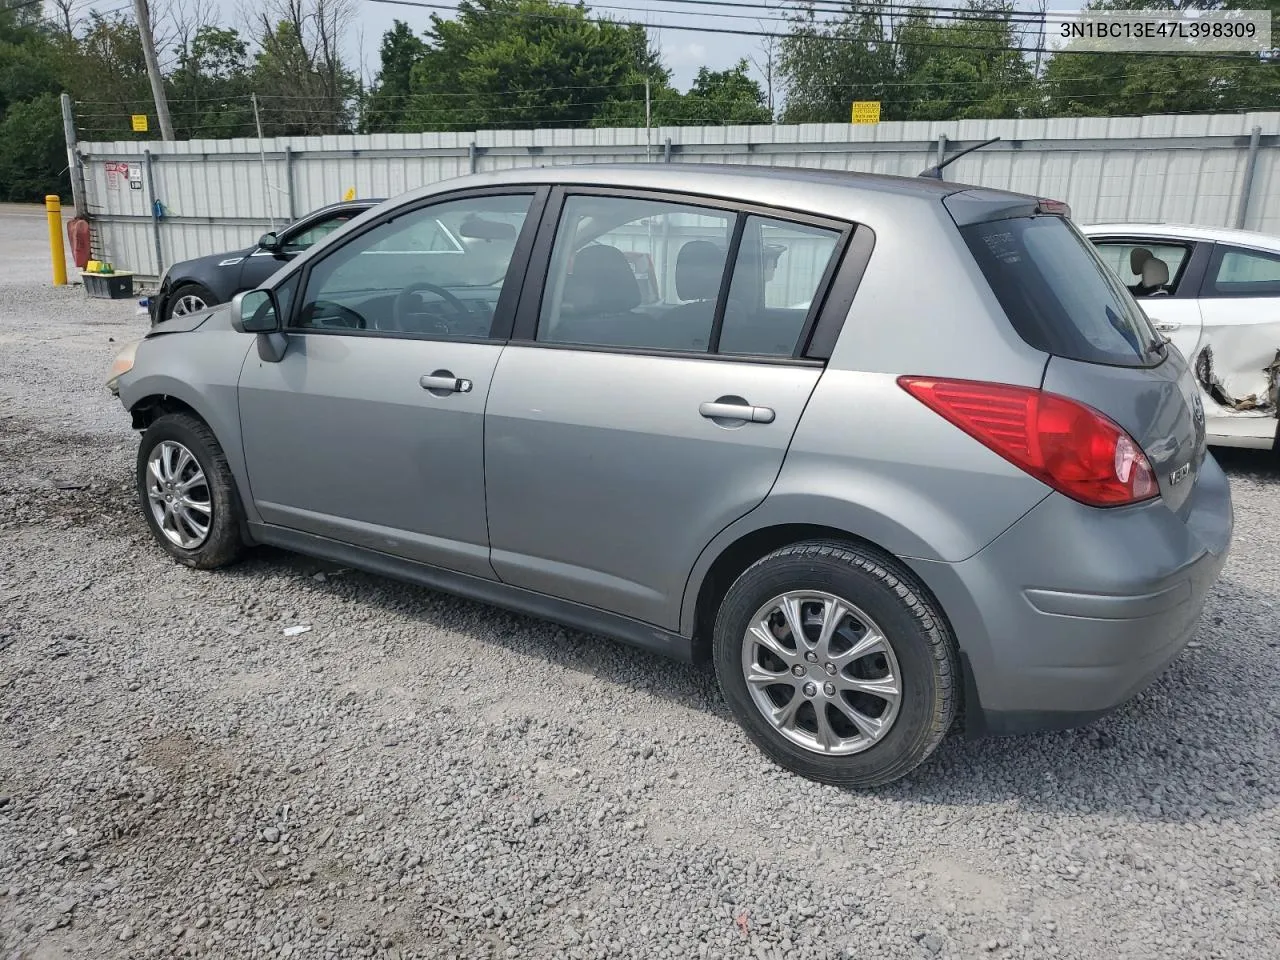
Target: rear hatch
<point>1103,352</point>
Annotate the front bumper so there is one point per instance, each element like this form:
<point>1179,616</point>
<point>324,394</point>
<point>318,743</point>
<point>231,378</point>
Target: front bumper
<point>1074,610</point>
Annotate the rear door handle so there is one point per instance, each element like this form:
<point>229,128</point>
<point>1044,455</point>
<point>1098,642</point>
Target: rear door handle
<point>736,411</point>
<point>444,383</point>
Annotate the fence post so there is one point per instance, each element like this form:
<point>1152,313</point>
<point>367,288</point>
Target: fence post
<point>471,155</point>
<point>942,153</point>
<point>155,214</point>
<point>1246,185</point>
<point>74,167</point>
<point>666,151</point>
<point>288,182</point>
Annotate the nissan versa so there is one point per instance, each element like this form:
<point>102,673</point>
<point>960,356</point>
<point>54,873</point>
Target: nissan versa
<point>885,450</point>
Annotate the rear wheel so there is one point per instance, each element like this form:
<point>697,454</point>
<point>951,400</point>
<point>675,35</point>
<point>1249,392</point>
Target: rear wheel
<point>187,492</point>
<point>189,298</point>
<point>836,663</point>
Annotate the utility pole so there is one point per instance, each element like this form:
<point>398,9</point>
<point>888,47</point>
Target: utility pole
<point>143,15</point>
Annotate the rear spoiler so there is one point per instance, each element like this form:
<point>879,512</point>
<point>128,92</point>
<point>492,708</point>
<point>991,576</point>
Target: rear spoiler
<point>983,206</point>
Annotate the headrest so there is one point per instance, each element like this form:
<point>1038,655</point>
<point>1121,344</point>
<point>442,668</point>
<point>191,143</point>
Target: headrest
<point>601,282</point>
<point>699,268</point>
<point>1137,257</point>
<point>1155,273</point>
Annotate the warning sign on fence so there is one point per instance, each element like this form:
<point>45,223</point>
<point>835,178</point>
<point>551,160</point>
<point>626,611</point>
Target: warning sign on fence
<point>866,111</point>
<point>139,122</point>
<point>115,171</point>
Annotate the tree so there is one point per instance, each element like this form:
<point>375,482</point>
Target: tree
<point>106,74</point>
<point>1119,84</point>
<point>716,97</point>
<point>32,151</point>
<point>969,66</point>
<point>401,50</point>
<point>526,63</point>
<point>311,90</point>
<point>33,155</point>
<point>210,90</point>
<point>826,64</point>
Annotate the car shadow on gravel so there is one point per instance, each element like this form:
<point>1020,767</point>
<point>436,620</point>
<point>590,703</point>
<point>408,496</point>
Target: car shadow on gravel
<point>1177,752</point>
<point>1254,464</point>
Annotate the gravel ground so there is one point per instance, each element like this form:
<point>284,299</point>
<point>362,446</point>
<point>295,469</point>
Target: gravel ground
<point>416,776</point>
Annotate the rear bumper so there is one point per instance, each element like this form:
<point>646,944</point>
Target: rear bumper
<point>1074,610</point>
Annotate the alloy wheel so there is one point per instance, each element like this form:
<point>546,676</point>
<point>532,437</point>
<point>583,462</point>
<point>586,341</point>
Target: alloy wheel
<point>187,303</point>
<point>179,495</point>
<point>821,672</point>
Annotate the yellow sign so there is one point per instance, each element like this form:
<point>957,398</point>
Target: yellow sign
<point>139,123</point>
<point>350,194</point>
<point>866,111</point>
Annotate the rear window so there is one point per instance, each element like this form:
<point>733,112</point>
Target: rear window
<point>1058,293</point>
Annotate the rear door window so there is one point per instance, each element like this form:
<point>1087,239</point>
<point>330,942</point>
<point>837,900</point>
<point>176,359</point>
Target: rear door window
<point>1059,294</point>
<point>1237,272</point>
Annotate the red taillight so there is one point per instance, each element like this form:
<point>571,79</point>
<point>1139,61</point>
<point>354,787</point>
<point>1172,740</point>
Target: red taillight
<point>1068,445</point>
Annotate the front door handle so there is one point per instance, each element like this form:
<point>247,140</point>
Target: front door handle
<point>442,382</point>
<point>1166,326</point>
<point>720,410</point>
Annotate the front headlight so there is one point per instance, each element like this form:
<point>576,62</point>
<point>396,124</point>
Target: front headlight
<point>121,365</point>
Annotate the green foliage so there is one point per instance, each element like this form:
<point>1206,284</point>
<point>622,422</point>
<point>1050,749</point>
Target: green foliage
<point>716,97</point>
<point>316,92</point>
<point>524,63</point>
<point>1119,84</point>
<point>33,154</point>
<point>401,49</point>
<point>964,64</point>
<point>211,87</point>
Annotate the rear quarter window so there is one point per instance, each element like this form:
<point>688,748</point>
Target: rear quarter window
<point>1058,293</point>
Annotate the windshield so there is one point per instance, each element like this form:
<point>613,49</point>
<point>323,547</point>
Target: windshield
<point>1058,293</point>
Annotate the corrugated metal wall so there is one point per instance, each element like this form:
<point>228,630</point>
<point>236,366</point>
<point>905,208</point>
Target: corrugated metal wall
<point>221,194</point>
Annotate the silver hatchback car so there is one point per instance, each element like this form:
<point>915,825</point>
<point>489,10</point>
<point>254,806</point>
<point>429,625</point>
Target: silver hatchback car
<point>887,451</point>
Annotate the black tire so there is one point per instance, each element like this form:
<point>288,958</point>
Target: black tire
<point>223,544</point>
<point>917,633</point>
<point>187,290</point>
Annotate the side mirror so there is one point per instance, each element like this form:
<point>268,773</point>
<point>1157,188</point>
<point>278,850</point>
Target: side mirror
<point>255,311</point>
<point>269,241</point>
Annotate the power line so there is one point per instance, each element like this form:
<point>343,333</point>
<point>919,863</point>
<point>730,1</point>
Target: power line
<point>729,31</point>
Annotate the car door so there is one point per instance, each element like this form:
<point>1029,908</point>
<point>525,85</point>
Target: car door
<point>294,239</point>
<point>629,421</point>
<point>1174,311</point>
<point>369,430</point>
<point>1240,364</point>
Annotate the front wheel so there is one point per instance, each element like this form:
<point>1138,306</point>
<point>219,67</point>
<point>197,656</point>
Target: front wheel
<point>187,493</point>
<point>836,663</point>
<point>189,298</point>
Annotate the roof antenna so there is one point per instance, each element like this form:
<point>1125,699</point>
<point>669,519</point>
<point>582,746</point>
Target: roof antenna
<point>935,172</point>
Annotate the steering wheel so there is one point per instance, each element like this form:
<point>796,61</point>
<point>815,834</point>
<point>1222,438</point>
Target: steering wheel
<point>344,317</point>
<point>405,297</point>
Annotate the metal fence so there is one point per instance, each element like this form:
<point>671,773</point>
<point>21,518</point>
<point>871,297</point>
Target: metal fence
<point>152,204</point>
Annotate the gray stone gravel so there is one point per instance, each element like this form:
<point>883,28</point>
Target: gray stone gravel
<point>417,776</point>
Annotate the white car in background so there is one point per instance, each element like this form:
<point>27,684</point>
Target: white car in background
<point>1215,293</point>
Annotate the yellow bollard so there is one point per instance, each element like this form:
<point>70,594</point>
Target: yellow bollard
<point>53,207</point>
